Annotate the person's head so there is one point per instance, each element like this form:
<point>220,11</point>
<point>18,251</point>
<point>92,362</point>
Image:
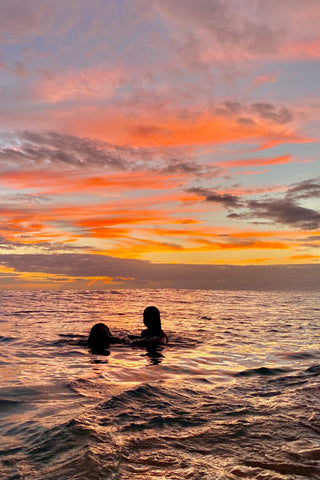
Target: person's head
<point>151,319</point>
<point>99,337</point>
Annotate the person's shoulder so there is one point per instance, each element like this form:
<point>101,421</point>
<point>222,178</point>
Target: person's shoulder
<point>158,340</point>
<point>164,338</point>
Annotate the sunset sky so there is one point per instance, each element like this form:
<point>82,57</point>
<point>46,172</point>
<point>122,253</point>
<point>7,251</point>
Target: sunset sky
<point>143,138</point>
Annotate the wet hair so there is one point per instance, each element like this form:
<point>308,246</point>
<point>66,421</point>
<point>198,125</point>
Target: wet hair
<point>99,337</point>
<point>151,319</point>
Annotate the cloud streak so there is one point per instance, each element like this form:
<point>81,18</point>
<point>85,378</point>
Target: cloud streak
<point>284,210</point>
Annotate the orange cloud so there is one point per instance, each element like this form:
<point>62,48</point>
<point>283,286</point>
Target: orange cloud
<point>105,280</point>
<point>218,232</point>
<point>304,257</point>
<point>138,248</point>
<point>150,130</point>
<point>257,162</point>
<point>242,245</point>
<point>71,181</point>
<point>135,248</point>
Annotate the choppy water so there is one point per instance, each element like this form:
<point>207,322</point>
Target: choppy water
<point>234,395</point>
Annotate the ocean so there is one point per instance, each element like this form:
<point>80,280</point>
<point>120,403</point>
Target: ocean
<point>234,395</point>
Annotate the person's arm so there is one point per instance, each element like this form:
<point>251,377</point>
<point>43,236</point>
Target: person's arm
<point>115,340</point>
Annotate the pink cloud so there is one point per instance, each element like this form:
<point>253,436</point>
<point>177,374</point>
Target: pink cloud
<point>263,79</point>
<point>81,85</point>
<point>304,49</point>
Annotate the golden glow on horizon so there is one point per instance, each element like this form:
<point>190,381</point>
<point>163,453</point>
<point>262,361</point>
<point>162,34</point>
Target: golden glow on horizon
<point>44,279</point>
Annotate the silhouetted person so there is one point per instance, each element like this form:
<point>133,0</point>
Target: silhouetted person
<point>99,338</point>
<point>153,334</point>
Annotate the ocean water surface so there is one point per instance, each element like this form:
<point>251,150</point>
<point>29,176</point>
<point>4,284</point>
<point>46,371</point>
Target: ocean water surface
<point>234,395</point>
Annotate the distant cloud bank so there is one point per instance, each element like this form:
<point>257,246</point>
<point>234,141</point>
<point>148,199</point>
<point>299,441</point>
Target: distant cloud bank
<point>69,271</point>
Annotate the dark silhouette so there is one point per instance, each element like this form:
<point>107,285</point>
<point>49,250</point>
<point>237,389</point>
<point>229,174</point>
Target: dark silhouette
<point>153,334</point>
<point>152,338</point>
<point>100,338</point>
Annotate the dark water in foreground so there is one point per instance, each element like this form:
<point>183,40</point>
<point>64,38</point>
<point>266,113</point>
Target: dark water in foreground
<point>234,395</point>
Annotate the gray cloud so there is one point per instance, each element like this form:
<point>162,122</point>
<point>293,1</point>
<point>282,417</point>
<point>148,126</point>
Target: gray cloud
<point>243,111</point>
<point>52,150</point>
<point>245,121</point>
<point>7,244</point>
<point>23,199</point>
<point>271,112</point>
<point>225,199</point>
<point>43,247</point>
<point>191,168</point>
<point>286,210</point>
<point>306,189</point>
<point>313,238</point>
<point>47,149</point>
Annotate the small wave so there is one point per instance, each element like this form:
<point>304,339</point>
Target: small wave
<point>6,339</point>
<point>153,395</point>
<point>297,355</point>
<point>265,371</point>
<point>71,335</point>
<point>162,407</point>
<point>286,468</point>
<point>10,407</point>
<point>23,312</point>
<point>314,370</point>
<point>20,392</point>
<point>88,388</point>
<point>182,342</point>
<point>143,392</point>
<point>8,403</point>
<point>71,339</point>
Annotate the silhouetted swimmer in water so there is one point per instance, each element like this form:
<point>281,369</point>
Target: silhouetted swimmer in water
<point>153,334</point>
<point>153,337</point>
<point>99,338</point>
